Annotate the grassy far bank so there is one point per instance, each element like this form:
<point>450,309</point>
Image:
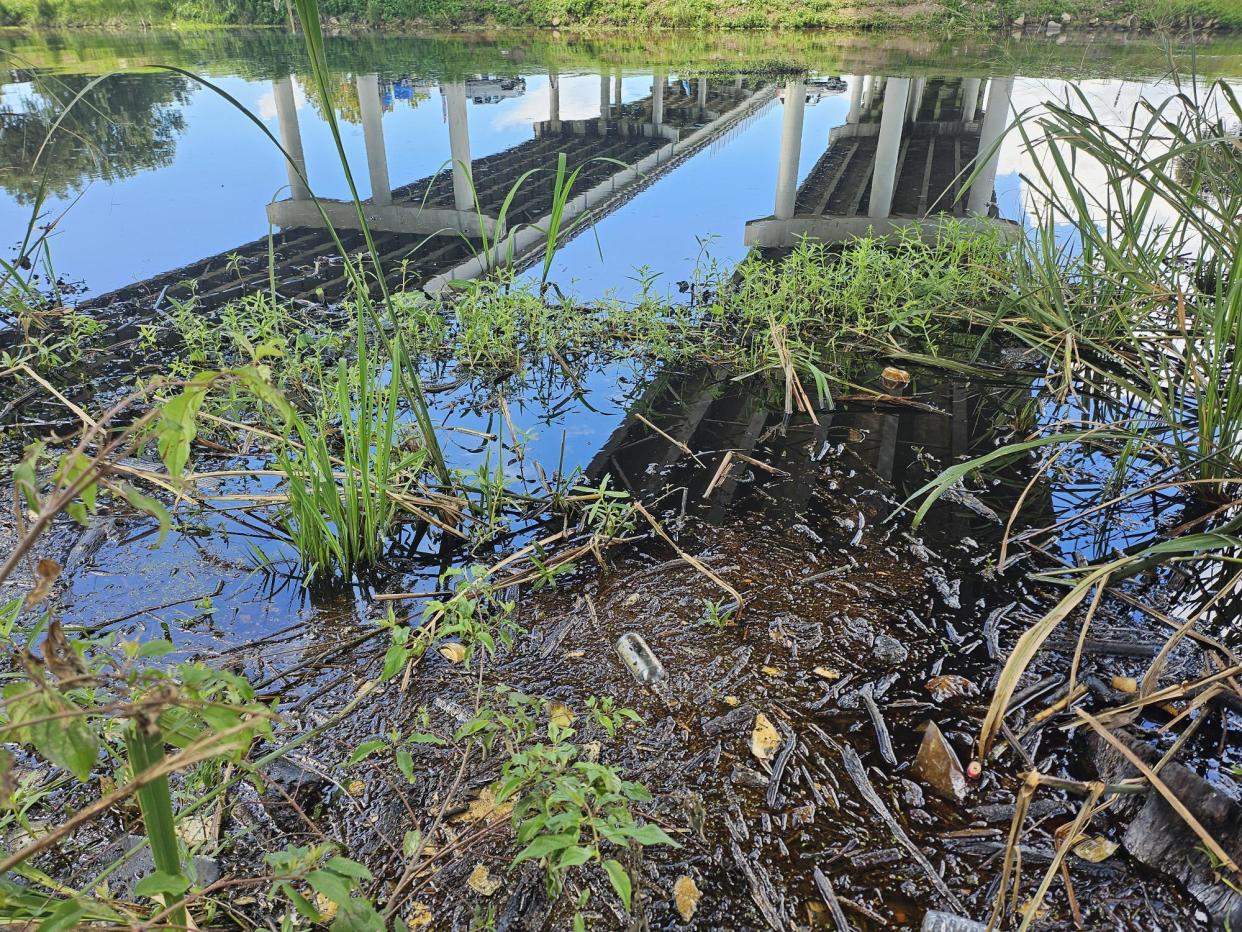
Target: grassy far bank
<point>747,14</point>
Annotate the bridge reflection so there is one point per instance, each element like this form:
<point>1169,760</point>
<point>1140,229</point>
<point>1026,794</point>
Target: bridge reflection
<point>900,159</point>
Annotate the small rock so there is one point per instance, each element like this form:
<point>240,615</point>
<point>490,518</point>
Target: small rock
<point>889,650</point>
<point>912,794</point>
<point>1019,22</point>
<point>1066,18</point>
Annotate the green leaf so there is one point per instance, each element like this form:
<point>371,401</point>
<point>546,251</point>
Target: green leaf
<point>177,428</point>
<point>650,834</point>
<point>572,857</point>
<point>422,737</point>
<point>333,886</point>
<point>545,845</point>
<point>366,749</point>
<point>65,740</point>
<point>348,868</point>
<point>156,648</point>
<point>158,882</point>
<point>148,505</point>
<point>405,763</point>
<point>64,918</point>
<point>620,881</point>
<point>300,903</point>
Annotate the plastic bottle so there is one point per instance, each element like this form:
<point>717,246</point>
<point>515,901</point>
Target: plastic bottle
<point>644,665</point>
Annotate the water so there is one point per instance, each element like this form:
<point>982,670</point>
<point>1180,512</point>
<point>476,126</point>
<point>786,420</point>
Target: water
<point>156,170</point>
<point>163,180</point>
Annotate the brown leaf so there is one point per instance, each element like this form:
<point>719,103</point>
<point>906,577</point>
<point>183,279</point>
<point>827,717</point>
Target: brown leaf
<point>686,895</point>
<point>764,738</point>
<point>949,685</point>
<point>892,377</point>
<point>61,659</point>
<point>47,571</point>
<point>937,765</point>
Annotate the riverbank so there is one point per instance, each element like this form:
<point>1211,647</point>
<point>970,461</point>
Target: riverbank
<point>945,15</point>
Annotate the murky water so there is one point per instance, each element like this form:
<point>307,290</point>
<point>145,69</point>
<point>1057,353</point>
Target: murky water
<point>693,150</point>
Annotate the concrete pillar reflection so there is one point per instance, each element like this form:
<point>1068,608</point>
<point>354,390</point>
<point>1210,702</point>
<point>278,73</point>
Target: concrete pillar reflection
<point>373,137</point>
<point>995,119</point>
<point>616,93</point>
<point>888,146</point>
<point>658,81</point>
<point>868,92</point>
<point>916,97</point>
<point>702,101</point>
<point>459,143</point>
<point>856,98</point>
<point>603,103</point>
<point>554,99</point>
<point>291,137</point>
<point>970,98</point>
<point>791,148</point>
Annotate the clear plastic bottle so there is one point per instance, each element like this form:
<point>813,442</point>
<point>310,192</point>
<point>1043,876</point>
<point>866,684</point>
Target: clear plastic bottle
<point>644,665</point>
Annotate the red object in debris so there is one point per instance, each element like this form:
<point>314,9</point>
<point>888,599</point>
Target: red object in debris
<point>974,769</point>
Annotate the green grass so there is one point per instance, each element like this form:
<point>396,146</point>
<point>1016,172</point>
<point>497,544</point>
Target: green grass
<point>669,14</point>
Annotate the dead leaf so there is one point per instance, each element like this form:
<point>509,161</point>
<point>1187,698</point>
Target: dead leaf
<point>559,714</point>
<point>61,659</point>
<point>325,907</point>
<point>1095,849</point>
<point>937,765</point>
<point>420,916</point>
<point>47,571</point>
<point>1125,684</point>
<point>356,787</point>
<point>732,701</point>
<point>686,895</point>
<point>453,652</point>
<point>484,806</point>
<point>949,685</point>
<point>481,882</point>
<point>826,673</point>
<point>764,738</point>
<point>892,377</point>
<point>773,671</point>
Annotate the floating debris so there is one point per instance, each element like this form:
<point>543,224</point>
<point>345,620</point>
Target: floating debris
<point>937,765</point>
<point>643,664</point>
<point>686,895</point>
<point>764,738</point>
<point>949,685</point>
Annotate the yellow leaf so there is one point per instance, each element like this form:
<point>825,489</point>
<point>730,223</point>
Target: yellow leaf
<point>732,701</point>
<point>560,714</point>
<point>481,882</point>
<point>325,907</point>
<point>773,671</point>
<point>686,895</point>
<point>484,807</point>
<point>1095,849</point>
<point>764,739</point>
<point>1125,684</point>
<point>453,652</point>
<point>420,916</point>
<point>356,788</point>
<point>826,673</point>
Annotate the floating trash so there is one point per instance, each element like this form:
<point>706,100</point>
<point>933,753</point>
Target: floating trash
<point>643,664</point>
